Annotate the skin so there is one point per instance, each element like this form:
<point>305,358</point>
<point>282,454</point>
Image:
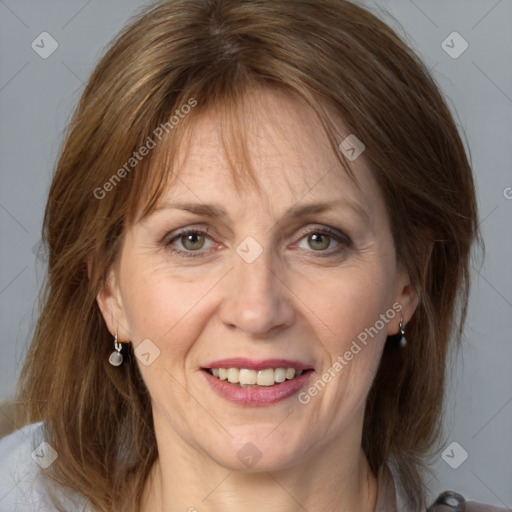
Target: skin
<point>291,302</point>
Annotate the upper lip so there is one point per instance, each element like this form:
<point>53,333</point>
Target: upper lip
<point>257,364</point>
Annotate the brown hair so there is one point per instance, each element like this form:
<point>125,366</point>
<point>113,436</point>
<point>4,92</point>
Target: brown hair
<point>336,56</point>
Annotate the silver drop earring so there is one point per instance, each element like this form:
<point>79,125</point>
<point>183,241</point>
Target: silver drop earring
<point>116,358</point>
<point>403,341</point>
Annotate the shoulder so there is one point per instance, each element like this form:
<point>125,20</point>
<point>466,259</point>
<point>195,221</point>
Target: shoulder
<point>18,470</point>
<point>472,506</point>
<point>25,459</point>
<point>450,500</point>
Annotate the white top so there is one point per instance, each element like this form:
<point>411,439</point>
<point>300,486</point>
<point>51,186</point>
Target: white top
<point>24,486</point>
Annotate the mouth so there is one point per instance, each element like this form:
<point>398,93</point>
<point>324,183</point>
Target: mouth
<point>249,378</point>
<point>246,382</point>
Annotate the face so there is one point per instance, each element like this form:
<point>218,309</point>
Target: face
<point>260,280</point>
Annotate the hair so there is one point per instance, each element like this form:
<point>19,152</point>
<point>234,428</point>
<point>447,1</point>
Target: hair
<point>337,57</point>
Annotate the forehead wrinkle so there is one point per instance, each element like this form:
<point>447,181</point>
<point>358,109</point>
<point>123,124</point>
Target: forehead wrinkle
<point>241,160</point>
<point>217,210</point>
<point>296,210</point>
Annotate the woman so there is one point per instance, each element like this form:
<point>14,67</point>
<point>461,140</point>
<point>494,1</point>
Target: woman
<point>259,233</point>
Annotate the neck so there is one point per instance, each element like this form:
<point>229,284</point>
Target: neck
<point>336,478</point>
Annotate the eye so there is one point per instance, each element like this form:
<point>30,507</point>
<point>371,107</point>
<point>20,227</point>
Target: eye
<point>324,240</point>
<point>195,242</point>
<point>192,241</point>
<point>189,241</point>
<point>318,241</point>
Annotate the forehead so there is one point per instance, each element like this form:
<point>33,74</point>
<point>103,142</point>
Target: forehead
<point>275,146</point>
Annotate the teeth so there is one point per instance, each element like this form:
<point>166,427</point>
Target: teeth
<point>279,374</point>
<point>290,373</point>
<point>233,375</point>
<point>266,377</point>
<point>247,377</point>
<point>254,378</point>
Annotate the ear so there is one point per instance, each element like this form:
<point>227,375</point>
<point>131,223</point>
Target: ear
<point>111,306</point>
<point>408,298</point>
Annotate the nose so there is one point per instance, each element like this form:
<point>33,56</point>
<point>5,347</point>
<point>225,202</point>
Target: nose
<point>257,302</point>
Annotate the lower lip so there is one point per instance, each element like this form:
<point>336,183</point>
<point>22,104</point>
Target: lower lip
<point>257,397</point>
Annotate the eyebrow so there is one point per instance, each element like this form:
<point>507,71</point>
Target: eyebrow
<point>297,211</point>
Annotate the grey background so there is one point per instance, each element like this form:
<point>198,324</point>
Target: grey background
<point>37,97</point>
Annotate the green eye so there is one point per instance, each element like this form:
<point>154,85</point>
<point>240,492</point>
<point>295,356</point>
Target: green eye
<point>189,243</point>
<point>193,241</point>
<point>324,241</point>
<point>319,241</point>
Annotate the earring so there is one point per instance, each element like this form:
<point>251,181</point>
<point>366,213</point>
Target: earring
<point>116,358</point>
<point>403,341</point>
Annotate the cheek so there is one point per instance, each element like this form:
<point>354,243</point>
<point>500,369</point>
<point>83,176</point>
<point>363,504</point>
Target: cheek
<point>148,299</point>
<point>349,302</point>
<point>170,312</point>
<point>164,307</point>
<point>351,309</point>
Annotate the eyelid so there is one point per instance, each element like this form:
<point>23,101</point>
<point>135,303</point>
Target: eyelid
<point>321,228</point>
<point>179,233</point>
<point>339,236</point>
<point>343,244</point>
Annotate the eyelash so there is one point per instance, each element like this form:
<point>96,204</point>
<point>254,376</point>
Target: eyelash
<point>343,240</point>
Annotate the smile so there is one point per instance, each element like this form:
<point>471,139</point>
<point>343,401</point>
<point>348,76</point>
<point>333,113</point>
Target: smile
<point>272,390</point>
<point>248,378</point>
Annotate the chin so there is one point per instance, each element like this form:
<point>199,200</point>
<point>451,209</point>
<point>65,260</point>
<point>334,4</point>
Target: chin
<point>258,453</point>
